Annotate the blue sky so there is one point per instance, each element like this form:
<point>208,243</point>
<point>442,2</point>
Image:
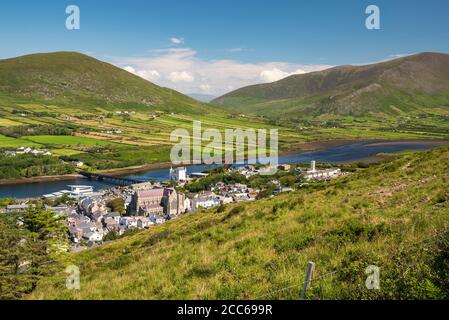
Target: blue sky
<point>225,44</point>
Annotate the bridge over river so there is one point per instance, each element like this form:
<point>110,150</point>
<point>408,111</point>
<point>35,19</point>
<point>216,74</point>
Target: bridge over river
<point>111,179</point>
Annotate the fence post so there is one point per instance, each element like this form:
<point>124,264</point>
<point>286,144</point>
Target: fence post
<point>309,272</point>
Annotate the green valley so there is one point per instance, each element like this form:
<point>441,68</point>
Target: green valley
<point>82,109</point>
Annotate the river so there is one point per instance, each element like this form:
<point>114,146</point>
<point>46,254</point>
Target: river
<point>343,153</point>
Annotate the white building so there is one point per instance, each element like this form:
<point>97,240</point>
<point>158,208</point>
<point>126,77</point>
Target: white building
<point>312,166</point>
<point>78,192</point>
<point>78,163</point>
<point>187,204</point>
<point>93,236</point>
<point>314,174</point>
<point>156,219</point>
<point>178,174</point>
<point>205,202</point>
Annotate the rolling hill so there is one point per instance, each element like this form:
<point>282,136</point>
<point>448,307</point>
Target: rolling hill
<point>393,215</point>
<point>395,87</point>
<point>76,80</point>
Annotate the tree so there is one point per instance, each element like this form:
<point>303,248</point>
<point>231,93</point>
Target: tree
<point>117,205</point>
<point>48,227</point>
<point>6,201</point>
<point>287,181</point>
<point>111,236</point>
<point>266,193</point>
<point>23,259</point>
<point>126,117</point>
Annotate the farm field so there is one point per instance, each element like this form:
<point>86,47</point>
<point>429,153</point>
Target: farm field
<point>105,139</point>
<point>7,142</point>
<point>66,141</point>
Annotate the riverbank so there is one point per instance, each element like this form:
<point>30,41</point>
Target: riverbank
<point>40,179</point>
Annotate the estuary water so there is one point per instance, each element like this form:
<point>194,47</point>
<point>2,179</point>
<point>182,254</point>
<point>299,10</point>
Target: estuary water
<point>344,153</point>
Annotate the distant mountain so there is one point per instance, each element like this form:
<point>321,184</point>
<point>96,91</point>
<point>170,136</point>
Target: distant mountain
<point>74,79</point>
<point>410,83</point>
<point>202,97</point>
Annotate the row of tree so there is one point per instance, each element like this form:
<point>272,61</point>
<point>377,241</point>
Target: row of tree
<point>28,166</point>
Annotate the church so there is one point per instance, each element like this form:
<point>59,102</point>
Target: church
<point>160,201</point>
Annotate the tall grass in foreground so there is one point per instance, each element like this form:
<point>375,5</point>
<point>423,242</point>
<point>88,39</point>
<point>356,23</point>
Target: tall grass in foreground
<point>393,215</point>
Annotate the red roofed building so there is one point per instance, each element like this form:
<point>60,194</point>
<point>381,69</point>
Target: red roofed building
<point>161,201</point>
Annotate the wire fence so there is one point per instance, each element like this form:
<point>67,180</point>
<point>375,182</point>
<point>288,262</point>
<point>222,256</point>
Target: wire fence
<point>288,286</point>
<point>325,276</point>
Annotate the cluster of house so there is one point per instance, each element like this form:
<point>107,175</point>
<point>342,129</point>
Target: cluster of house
<point>93,221</point>
<point>146,204</point>
<point>27,150</point>
<point>112,131</point>
<point>125,112</point>
<point>21,207</point>
<point>324,174</point>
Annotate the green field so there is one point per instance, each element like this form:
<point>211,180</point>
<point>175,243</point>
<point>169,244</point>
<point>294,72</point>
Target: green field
<point>7,142</point>
<point>67,141</point>
<point>393,215</point>
<point>146,140</point>
<point>65,152</point>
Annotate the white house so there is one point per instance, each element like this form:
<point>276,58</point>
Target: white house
<point>144,222</point>
<point>114,215</point>
<point>187,204</point>
<point>205,202</point>
<point>93,236</point>
<point>78,163</point>
<point>156,219</point>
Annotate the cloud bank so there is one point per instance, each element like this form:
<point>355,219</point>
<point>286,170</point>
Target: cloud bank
<point>181,69</point>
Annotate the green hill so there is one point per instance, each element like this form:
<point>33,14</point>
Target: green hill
<point>393,215</point>
<point>410,84</point>
<point>76,80</point>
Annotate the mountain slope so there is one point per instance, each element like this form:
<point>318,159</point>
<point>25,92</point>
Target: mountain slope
<point>410,83</point>
<point>393,215</point>
<point>77,80</point>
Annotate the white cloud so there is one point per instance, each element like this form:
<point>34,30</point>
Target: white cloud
<point>181,69</point>
<point>205,87</point>
<point>150,75</point>
<point>275,74</point>
<point>130,69</point>
<point>176,40</point>
<point>180,77</point>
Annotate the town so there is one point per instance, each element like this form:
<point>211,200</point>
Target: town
<point>93,217</point>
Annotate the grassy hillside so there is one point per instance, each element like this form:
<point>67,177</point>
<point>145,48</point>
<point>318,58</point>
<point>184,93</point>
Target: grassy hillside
<point>393,88</point>
<point>76,80</point>
<point>393,215</point>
